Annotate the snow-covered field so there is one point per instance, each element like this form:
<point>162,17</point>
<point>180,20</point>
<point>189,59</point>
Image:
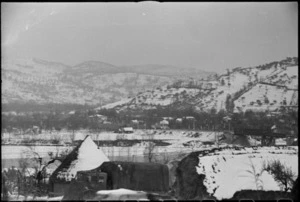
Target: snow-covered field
<point>13,197</point>
<point>121,194</point>
<point>231,170</point>
<point>176,139</point>
<point>180,141</point>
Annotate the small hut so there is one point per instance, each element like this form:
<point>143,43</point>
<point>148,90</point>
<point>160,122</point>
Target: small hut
<point>127,130</point>
<point>85,156</point>
<point>164,124</point>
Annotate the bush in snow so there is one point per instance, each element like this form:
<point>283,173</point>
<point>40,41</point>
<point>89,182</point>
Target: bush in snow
<point>266,100</point>
<point>256,175</point>
<point>281,173</point>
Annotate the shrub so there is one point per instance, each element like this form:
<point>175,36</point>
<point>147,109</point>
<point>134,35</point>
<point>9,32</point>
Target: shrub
<point>256,175</point>
<point>266,100</point>
<point>281,173</point>
<point>284,102</point>
<point>55,141</point>
<point>259,102</point>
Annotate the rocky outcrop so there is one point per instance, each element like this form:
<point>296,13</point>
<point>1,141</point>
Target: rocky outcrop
<point>189,183</point>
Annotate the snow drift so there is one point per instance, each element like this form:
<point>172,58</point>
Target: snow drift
<point>220,173</point>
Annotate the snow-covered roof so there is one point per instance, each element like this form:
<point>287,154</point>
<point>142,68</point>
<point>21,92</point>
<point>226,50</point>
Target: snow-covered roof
<point>226,118</point>
<point>85,156</point>
<point>164,122</point>
<point>126,129</point>
<point>189,117</point>
<point>228,171</point>
<point>168,118</point>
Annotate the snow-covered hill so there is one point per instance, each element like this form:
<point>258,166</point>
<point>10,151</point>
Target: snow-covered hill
<point>90,82</point>
<point>267,87</point>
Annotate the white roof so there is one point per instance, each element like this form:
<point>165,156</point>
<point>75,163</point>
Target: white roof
<point>189,117</point>
<point>98,115</point>
<point>165,122</point>
<point>89,157</point>
<point>227,118</point>
<point>128,129</point>
<point>168,118</point>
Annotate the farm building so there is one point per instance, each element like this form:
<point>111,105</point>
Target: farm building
<point>35,129</point>
<point>134,121</point>
<point>179,120</point>
<point>85,156</point>
<point>136,175</point>
<point>189,118</point>
<point>127,130</point>
<point>168,118</point>
<point>126,175</point>
<point>268,136</point>
<point>164,124</point>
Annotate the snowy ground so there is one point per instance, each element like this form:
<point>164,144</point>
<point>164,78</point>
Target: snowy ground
<point>121,194</point>
<point>231,170</point>
<point>66,136</point>
<point>181,141</point>
<point>31,198</point>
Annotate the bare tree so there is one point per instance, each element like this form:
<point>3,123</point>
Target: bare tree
<point>282,174</point>
<point>28,169</point>
<point>150,148</point>
<point>33,171</point>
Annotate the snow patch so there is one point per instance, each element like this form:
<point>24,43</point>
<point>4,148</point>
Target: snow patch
<point>229,170</point>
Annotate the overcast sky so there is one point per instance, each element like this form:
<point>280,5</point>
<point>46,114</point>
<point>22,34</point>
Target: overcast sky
<point>208,36</point>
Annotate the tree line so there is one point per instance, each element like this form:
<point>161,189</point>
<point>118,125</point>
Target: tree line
<point>81,119</point>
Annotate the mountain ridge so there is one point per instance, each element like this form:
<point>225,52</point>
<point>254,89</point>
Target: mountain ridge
<point>267,87</point>
<point>89,82</point>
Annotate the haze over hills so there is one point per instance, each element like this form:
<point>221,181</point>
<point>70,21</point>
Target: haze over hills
<point>265,87</point>
<point>90,82</point>
<point>168,70</point>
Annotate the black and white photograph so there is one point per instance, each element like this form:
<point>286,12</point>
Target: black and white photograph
<point>149,101</point>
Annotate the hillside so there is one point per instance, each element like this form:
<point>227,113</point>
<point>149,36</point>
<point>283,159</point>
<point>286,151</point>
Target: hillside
<point>265,87</point>
<point>90,82</point>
